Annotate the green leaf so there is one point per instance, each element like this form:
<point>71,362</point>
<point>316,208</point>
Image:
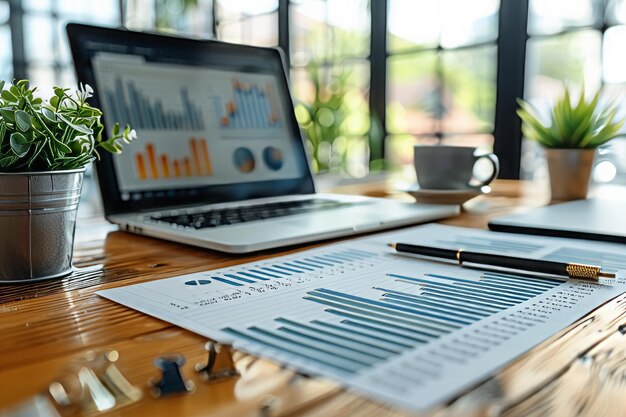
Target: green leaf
<point>62,146</point>
<point>23,120</point>
<point>19,144</point>
<point>38,148</point>
<point>7,161</point>
<point>8,115</point>
<point>22,84</point>
<point>8,96</point>
<point>110,147</point>
<point>79,128</point>
<point>49,114</point>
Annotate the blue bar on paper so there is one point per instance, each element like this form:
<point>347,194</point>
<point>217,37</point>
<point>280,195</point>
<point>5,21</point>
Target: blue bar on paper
<point>308,353</point>
<point>319,262</point>
<point>335,353</point>
<point>438,306</point>
<point>306,268</point>
<point>288,269</point>
<point>487,310</point>
<point>264,273</point>
<point>427,284</point>
<point>370,313</point>
<point>344,335</point>
<point>324,258</point>
<point>463,296</point>
<point>275,271</point>
<point>227,281</point>
<point>409,311</point>
<point>308,264</point>
<point>247,274</point>
<point>378,340</point>
<point>455,299</point>
<point>233,276</point>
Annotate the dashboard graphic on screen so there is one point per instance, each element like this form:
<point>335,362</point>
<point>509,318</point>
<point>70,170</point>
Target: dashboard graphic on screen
<point>249,106</point>
<point>196,126</point>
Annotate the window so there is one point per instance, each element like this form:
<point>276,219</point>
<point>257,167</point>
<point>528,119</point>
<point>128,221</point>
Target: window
<point>579,42</point>
<point>47,57</point>
<point>441,78</point>
<point>252,22</point>
<point>6,57</point>
<point>371,78</point>
<point>329,54</point>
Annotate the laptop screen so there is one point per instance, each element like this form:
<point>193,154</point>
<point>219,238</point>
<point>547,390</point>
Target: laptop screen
<point>214,121</point>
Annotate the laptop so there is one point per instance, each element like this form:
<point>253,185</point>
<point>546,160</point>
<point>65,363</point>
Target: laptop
<point>219,161</point>
<point>590,219</point>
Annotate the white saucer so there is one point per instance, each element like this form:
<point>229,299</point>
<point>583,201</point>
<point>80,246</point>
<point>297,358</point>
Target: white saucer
<point>456,197</point>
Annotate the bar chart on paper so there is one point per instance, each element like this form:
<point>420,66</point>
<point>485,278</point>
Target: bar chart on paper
<point>409,332</point>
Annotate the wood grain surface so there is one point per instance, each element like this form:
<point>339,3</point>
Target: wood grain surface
<point>44,327</point>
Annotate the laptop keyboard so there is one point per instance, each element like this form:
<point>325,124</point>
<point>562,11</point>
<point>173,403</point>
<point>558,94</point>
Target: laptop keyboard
<point>234,215</point>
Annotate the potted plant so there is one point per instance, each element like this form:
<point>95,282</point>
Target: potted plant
<point>44,149</point>
<point>570,140</point>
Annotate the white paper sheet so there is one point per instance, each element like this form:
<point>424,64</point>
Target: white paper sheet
<point>409,332</point>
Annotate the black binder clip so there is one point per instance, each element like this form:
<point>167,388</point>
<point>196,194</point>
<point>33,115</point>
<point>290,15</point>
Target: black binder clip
<point>172,381</point>
<point>220,364</point>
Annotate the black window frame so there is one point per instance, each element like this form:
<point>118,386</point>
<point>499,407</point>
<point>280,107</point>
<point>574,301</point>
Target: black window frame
<point>511,61</point>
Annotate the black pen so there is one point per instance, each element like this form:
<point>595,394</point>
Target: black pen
<point>572,270</point>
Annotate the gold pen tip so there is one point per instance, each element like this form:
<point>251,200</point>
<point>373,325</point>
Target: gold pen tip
<point>391,245</point>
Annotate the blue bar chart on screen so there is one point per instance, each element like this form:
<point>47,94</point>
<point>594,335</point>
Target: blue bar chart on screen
<point>129,105</point>
<point>249,106</point>
<point>409,332</point>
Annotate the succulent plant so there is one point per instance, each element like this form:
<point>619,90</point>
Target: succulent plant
<point>585,125</point>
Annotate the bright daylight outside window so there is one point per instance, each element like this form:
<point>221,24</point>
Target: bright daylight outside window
<point>330,45</point>
<point>441,81</point>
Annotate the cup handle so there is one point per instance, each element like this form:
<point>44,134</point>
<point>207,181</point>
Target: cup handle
<point>496,168</point>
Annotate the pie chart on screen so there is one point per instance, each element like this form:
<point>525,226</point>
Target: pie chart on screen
<point>244,160</point>
<point>273,158</point>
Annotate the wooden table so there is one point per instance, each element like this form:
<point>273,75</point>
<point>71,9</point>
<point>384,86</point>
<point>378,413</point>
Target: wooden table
<point>43,327</point>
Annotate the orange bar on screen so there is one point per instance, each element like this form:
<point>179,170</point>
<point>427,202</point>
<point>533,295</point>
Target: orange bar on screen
<point>195,153</point>
<point>187,167</point>
<point>176,168</point>
<point>231,108</point>
<point>165,166</point>
<point>208,169</point>
<point>273,106</point>
<point>140,163</point>
<point>154,172</point>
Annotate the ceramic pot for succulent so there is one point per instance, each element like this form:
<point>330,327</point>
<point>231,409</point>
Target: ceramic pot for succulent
<point>570,172</point>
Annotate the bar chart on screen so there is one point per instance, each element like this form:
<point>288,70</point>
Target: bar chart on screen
<point>152,164</point>
<point>407,331</point>
<point>248,106</point>
<point>129,104</point>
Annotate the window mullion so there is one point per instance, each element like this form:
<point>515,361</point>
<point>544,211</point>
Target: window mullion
<point>378,78</point>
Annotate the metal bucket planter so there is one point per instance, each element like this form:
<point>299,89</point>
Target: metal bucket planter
<point>37,222</point>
